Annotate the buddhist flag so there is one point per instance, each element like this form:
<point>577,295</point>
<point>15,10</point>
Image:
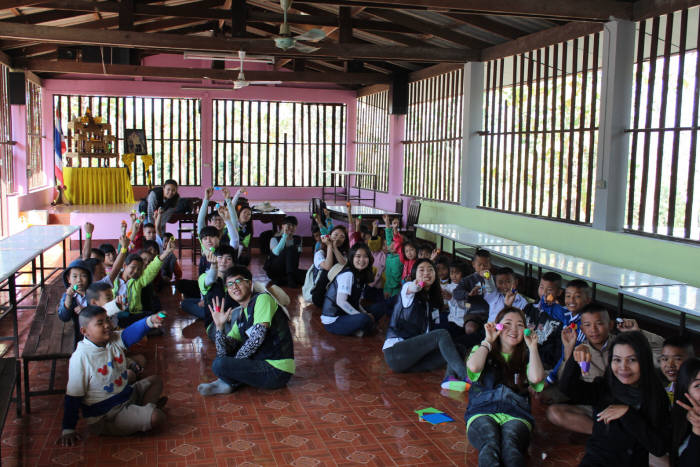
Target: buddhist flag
<point>59,148</point>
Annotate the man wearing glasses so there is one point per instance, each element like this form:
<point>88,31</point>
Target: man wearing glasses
<point>253,342</point>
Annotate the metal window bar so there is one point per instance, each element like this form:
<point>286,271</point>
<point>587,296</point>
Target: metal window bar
<point>432,143</point>
<point>35,175</point>
<point>661,198</point>
<point>540,131</point>
<point>372,140</point>
<point>265,143</point>
<point>6,166</point>
<point>172,127</point>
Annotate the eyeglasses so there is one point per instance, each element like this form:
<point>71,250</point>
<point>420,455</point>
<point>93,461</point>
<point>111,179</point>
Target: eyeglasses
<point>236,282</point>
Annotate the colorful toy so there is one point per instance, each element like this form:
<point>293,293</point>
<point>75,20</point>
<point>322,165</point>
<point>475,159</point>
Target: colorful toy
<point>162,315</point>
<point>143,214</point>
<point>421,284</point>
<point>217,188</point>
<point>487,274</point>
<point>212,249</point>
<point>513,290</point>
<point>217,206</point>
<point>499,326</point>
<point>550,299</point>
<point>75,287</point>
<point>217,309</point>
<point>360,217</point>
<point>527,331</point>
<point>573,326</point>
<point>585,366</point>
<point>313,215</point>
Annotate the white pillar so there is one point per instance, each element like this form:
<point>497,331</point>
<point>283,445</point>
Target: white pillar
<point>613,142</point>
<point>472,123</point>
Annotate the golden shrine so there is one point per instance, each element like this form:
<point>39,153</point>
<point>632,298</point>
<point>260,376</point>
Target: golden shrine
<point>89,137</point>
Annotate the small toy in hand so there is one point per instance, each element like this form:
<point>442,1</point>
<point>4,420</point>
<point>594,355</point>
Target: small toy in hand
<point>487,274</point>
<point>212,249</point>
<point>217,188</point>
<point>527,331</point>
<point>421,284</point>
<point>217,309</point>
<point>143,214</point>
<point>499,326</point>
<point>347,204</point>
<point>620,321</point>
<point>550,299</point>
<point>75,287</point>
<point>573,326</point>
<point>217,206</point>
<point>313,215</point>
<point>513,290</point>
<point>585,366</point>
<point>360,217</point>
<point>244,192</point>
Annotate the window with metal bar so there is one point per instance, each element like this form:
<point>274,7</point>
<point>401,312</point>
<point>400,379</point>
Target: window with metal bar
<point>662,199</point>
<point>372,140</point>
<point>6,165</point>
<point>263,143</point>
<point>35,174</point>
<point>172,127</point>
<point>541,129</point>
<point>433,143</point>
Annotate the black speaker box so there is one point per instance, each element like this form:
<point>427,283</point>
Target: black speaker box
<point>398,94</point>
<point>16,88</point>
<point>112,55</point>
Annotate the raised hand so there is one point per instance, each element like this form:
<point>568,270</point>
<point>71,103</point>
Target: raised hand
<point>582,354</point>
<point>385,218</point>
<point>492,332</point>
<point>227,194</point>
<point>218,315</point>
<point>693,412</point>
<point>434,254</point>
<point>209,192</point>
<point>568,338</point>
<point>475,291</point>
<point>510,297</point>
<point>627,325</point>
<point>89,228</point>
<point>531,340</point>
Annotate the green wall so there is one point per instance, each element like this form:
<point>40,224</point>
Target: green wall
<point>659,257</point>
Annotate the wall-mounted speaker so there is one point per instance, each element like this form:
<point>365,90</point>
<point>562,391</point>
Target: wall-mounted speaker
<point>398,94</point>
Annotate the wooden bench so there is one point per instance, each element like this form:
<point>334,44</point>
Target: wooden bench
<point>49,339</point>
<point>9,377</point>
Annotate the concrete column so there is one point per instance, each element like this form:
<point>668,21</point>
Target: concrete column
<point>207,129</point>
<point>613,142</point>
<point>473,114</point>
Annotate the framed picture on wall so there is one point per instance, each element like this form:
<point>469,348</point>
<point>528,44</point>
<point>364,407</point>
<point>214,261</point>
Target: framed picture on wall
<point>135,142</point>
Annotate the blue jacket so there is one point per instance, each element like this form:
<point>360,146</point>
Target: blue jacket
<point>563,315</point>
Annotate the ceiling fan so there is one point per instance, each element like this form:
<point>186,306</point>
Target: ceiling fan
<point>287,41</point>
<point>239,83</point>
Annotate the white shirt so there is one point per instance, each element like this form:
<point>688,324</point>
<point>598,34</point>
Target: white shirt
<point>458,308</point>
<point>344,282</point>
<point>496,301</point>
<point>319,257</point>
<point>97,373</point>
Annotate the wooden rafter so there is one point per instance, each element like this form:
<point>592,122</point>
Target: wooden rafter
<point>66,66</point>
<point>70,35</point>
<point>488,25</point>
<point>580,10</point>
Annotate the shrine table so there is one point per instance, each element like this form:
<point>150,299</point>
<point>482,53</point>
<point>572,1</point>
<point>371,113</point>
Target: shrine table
<point>98,185</point>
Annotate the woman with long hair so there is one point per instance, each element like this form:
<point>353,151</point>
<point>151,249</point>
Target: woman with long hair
<point>342,312</point>
<point>685,416</point>
<point>413,341</point>
<point>629,401</point>
<point>334,250</point>
<point>501,369</point>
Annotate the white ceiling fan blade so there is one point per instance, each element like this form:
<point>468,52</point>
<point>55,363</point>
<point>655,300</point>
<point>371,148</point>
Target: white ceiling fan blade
<point>312,35</point>
<point>303,48</point>
<point>285,43</point>
<point>240,84</point>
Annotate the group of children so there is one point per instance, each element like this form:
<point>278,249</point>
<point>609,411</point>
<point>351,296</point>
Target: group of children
<point>633,392</point>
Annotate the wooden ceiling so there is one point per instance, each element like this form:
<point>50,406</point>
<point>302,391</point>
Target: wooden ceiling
<point>366,40</point>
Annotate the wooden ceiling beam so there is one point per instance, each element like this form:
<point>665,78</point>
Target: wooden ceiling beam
<point>66,66</point>
<point>200,10</point>
<point>644,9</point>
<point>71,35</point>
<point>9,4</point>
<point>540,39</point>
<point>487,25</point>
<point>423,26</point>
<point>573,10</point>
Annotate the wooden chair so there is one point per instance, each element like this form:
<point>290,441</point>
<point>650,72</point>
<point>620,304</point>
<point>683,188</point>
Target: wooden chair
<point>412,218</point>
<point>187,223</point>
<point>398,208</point>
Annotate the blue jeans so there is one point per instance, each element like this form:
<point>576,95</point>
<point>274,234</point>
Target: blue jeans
<point>256,373</point>
<point>191,306</point>
<point>385,306</point>
<point>347,325</point>
<point>499,444</point>
<point>426,352</point>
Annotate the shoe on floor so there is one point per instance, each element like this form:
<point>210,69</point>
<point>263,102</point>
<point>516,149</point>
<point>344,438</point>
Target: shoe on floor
<point>453,384</point>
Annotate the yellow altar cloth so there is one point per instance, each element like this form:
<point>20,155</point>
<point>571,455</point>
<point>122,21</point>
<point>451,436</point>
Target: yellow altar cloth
<point>98,185</point>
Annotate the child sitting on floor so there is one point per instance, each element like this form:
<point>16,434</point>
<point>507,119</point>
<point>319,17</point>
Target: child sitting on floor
<point>458,316</point>
<point>675,350</point>
<point>282,265</point>
<point>548,329</point>
<point>501,369</point>
<point>213,219</point>
<point>76,278</point>
<point>132,281</point>
<point>505,294</point>
<point>241,216</point>
<point>97,381</point>
<point>100,294</point>
<point>471,290</point>
<point>374,290</point>
<point>171,269</point>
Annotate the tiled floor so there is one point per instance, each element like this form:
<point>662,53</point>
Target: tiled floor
<point>343,407</point>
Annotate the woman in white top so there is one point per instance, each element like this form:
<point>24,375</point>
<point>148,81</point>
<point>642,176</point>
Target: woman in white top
<point>334,251</point>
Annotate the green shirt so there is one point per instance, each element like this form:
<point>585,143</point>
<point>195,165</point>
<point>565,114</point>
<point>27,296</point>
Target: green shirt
<point>393,269</point>
<point>501,418</point>
<point>264,311</point>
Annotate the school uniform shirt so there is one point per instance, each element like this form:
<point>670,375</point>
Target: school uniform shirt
<point>344,281</point>
<point>458,308</point>
<point>319,257</point>
<point>497,302</point>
